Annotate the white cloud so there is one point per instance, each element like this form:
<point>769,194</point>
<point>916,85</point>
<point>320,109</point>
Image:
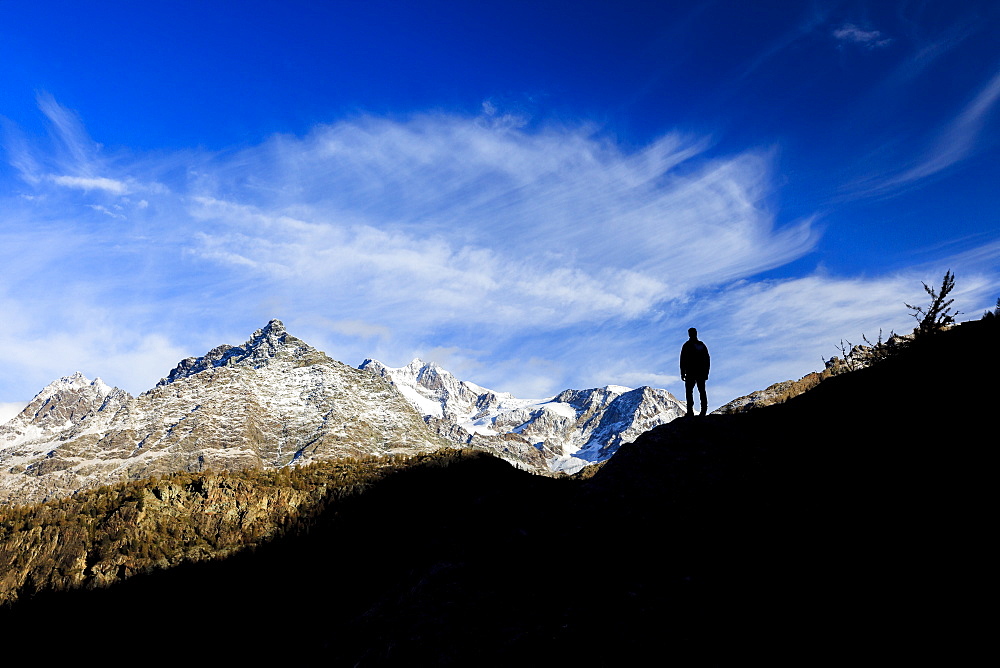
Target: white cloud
<point>72,161</point>
<point>359,328</point>
<point>871,39</point>
<point>46,339</point>
<point>640,379</point>
<point>91,183</point>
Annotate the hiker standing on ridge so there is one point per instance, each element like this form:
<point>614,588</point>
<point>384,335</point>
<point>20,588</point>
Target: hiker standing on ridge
<point>694,369</point>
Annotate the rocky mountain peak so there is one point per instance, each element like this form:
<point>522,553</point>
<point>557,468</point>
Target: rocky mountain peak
<point>426,375</point>
<point>271,335</point>
<point>431,376</point>
<point>75,383</point>
<point>598,396</point>
<point>414,370</point>
<point>374,366</point>
<point>265,345</point>
<point>416,364</point>
<point>61,403</point>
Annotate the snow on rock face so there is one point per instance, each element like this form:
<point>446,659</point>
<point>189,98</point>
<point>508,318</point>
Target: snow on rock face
<point>436,392</point>
<point>268,403</point>
<point>562,433</point>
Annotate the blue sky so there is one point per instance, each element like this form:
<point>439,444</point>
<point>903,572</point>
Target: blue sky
<point>536,195</point>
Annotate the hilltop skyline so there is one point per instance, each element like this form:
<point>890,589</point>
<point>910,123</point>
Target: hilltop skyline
<point>536,196</point>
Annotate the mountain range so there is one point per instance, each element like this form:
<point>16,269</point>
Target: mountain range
<point>276,401</point>
<point>562,433</point>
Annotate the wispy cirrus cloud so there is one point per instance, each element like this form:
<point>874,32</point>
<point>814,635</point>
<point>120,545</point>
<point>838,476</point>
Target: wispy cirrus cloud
<point>557,225</point>
<point>73,160</point>
<point>91,183</point>
<point>814,17</point>
<point>853,34</point>
<point>959,139</point>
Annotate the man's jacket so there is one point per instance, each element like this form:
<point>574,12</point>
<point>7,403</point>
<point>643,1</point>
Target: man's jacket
<point>695,360</point>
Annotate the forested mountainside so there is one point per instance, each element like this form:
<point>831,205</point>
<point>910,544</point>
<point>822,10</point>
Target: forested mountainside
<point>115,532</point>
<point>849,521</point>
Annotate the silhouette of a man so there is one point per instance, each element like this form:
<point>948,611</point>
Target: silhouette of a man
<point>694,369</point>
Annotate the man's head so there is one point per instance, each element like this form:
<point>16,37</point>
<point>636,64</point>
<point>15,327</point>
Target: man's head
<point>693,333</point>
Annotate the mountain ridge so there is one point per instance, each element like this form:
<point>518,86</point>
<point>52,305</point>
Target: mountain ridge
<point>275,401</point>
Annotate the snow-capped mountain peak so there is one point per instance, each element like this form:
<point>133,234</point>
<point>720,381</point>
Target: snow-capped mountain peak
<point>76,381</point>
<point>59,406</point>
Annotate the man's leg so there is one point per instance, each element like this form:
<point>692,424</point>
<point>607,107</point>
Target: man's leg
<point>689,391</point>
<point>703,397</point>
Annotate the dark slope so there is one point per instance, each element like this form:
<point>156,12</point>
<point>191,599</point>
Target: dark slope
<point>848,522</point>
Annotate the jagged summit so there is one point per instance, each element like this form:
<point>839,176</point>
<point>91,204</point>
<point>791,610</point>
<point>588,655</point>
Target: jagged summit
<point>64,401</point>
<point>75,381</point>
<point>264,345</point>
<point>417,364</point>
<point>415,368</point>
<point>437,392</point>
<point>76,384</point>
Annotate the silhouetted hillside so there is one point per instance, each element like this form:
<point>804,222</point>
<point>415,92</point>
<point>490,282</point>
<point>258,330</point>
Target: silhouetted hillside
<point>847,522</point>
